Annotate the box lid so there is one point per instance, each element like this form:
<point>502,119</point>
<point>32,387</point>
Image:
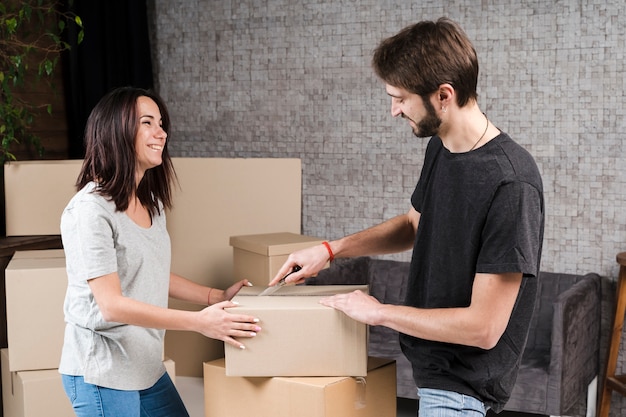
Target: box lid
<point>22,264</point>
<point>271,244</point>
<point>41,253</point>
<point>301,297</point>
<point>302,290</point>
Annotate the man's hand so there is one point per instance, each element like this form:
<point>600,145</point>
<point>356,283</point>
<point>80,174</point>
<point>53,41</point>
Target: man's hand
<point>357,305</point>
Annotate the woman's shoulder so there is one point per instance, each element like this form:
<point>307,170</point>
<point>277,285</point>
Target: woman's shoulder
<point>88,198</point>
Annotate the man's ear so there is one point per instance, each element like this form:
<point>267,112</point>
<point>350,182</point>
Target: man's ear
<point>445,95</point>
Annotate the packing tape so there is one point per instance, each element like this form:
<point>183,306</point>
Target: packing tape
<point>359,401</point>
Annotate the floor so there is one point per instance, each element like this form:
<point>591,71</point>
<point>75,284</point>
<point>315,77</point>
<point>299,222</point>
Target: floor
<point>191,390</point>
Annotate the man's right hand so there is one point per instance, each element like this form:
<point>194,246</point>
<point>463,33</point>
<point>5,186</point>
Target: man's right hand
<point>310,260</point>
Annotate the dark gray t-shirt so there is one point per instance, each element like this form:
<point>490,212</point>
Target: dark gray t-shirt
<point>481,212</point>
<point>98,241</point>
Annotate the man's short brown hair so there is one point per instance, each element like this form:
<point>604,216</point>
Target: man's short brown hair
<point>427,54</point>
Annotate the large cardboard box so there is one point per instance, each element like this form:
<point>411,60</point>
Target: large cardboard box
<point>40,393</point>
<point>36,282</point>
<point>299,336</point>
<point>372,396</point>
<point>259,257</point>
<point>33,393</point>
<point>36,194</point>
<point>211,204</point>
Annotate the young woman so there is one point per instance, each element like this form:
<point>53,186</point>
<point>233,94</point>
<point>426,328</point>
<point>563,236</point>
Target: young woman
<point>118,258</point>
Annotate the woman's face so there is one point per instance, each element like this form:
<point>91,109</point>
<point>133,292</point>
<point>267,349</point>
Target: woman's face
<point>150,139</point>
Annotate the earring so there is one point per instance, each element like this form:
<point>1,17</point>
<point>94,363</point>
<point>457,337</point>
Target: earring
<point>443,109</point>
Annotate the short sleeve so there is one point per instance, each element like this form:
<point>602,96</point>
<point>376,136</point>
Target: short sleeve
<point>512,235</point>
<point>88,238</point>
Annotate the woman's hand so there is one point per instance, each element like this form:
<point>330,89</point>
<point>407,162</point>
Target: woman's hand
<point>217,323</point>
<point>217,296</point>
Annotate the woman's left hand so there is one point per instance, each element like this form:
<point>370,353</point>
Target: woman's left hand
<point>230,292</point>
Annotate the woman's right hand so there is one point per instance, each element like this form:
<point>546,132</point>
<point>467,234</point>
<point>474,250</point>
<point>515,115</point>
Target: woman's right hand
<point>217,323</point>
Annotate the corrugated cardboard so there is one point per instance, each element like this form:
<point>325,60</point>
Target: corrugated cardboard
<point>40,393</point>
<point>299,336</point>
<point>170,367</point>
<point>35,290</point>
<point>219,198</point>
<point>372,396</point>
<point>36,194</point>
<point>213,202</point>
<point>33,393</point>
<point>32,254</point>
<point>259,257</point>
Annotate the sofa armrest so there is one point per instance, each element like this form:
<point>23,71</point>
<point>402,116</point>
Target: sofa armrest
<point>575,342</point>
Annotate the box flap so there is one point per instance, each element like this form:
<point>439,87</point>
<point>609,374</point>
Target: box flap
<point>272,244</point>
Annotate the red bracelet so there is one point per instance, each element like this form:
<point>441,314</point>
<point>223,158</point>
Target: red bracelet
<point>208,298</point>
<point>330,251</point>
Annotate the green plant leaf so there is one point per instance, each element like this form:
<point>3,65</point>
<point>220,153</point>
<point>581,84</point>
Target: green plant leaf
<point>11,25</point>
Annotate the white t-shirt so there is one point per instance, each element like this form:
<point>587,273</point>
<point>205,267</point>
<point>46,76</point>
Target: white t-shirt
<point>97,241</point>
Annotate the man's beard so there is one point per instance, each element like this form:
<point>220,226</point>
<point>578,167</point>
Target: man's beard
<point>429,125</point>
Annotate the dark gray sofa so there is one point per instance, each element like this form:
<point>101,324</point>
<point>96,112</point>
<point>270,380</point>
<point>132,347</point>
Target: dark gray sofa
<point>562,354</point>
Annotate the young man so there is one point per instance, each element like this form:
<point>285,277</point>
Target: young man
<point>475,227</point>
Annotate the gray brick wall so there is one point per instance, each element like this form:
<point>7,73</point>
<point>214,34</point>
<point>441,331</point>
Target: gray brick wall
<point>289,78</point>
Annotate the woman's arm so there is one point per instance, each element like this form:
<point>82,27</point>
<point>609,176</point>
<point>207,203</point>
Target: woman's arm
<point>213,321</point>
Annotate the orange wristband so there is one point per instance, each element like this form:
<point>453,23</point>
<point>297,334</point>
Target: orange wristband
<point>330,251</point>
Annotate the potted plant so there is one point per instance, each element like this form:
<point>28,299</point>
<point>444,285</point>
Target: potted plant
<point>31,43</point>
<point>30,47</point>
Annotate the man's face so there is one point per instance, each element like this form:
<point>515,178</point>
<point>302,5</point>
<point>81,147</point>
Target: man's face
<point>420,113</point>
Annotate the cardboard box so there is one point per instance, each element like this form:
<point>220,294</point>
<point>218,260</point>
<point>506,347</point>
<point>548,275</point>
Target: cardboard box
<point>259,257</point>
<point>40,393</point>
<point>33,393</point>
<point>299,336</point>
<point>38,254</point>
<point>372,396</point>
<point>36,194</point>
<point>211,205</point>
<point>35,290</point>
<point>170,367</point>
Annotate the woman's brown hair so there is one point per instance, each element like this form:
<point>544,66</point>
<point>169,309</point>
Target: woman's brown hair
<point>110,157</point>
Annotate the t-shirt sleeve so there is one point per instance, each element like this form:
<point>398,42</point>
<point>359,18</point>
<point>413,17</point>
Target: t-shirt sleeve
<point>512,235</point>
<point>87,231</point>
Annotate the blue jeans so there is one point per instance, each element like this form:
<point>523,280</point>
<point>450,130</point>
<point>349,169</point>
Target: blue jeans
<point>441,403</point>
<point>160,400</point>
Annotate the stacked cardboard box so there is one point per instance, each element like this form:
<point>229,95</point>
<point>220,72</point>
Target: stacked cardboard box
<point>308,360</point>
<point>299,336</point>
<point>258,257</point>
<point>370,396</point>
<point>200,223</point>
<point>35,289</point>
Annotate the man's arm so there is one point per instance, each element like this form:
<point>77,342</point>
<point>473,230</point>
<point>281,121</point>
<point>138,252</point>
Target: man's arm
<point>481,324</point>
<point>394,235</point>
